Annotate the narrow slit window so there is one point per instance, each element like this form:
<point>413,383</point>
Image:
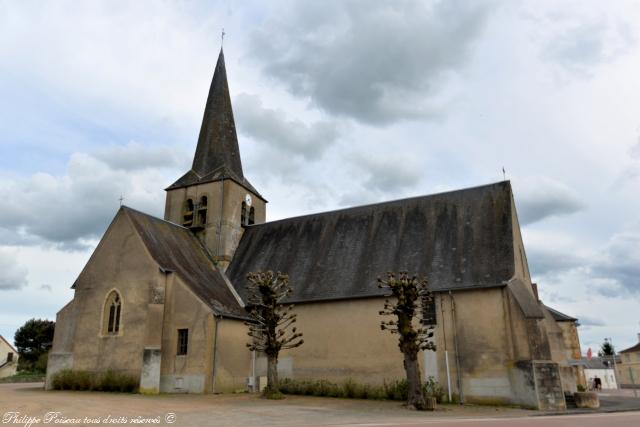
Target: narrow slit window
<point>187,215</point>
<point>202,211</point>
<point>243,214</point>
<point>252,216</point>
<point>183,341</point>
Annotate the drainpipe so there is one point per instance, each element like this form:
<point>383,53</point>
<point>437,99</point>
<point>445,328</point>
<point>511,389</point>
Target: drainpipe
<point>446,353</point>
<point>217,319</point>
<point>455,344</point>
<point>253,370</point>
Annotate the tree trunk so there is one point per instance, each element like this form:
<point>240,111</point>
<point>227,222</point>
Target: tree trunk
<point>272,375</point>
<point>415,396</point>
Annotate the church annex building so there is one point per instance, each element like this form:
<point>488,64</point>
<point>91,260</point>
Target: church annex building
<point>163,299</point>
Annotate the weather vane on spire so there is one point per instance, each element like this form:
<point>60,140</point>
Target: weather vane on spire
<point>222,38</point>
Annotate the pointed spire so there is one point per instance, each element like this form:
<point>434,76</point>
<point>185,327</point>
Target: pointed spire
<point>218,141</point>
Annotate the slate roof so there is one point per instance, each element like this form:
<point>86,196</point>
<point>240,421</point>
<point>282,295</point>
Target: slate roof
<point>459,239</point>
<point>176,249</point>
<point>632,349</point>
<point>596,363</point>
<point>217,153</point>
<point>560,317</point>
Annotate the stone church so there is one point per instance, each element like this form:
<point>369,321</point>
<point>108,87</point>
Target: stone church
<point>163,299</point>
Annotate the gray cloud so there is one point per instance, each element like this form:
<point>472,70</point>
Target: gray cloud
<point>291,136</point>
<point>45,287</point>
<point>621,263</point>
<point>590,321</point>
<point>549,260</point>
<point>12,274</point>
<point>538,198</point>
<point>381,177</point>
<point>72,209</point>
<point>137,156</point>
<point>580,45</point>
<point>375,62</point>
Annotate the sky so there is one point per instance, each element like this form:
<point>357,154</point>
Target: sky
<point>337,103</point>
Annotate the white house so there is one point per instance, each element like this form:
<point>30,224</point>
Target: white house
<point>601,368</point>
<point>8,358</point>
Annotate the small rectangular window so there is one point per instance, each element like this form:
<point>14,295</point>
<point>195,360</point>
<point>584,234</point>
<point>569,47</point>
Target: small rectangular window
<point>183,341</point>
<point>429,312</point>
<point>9,357</point>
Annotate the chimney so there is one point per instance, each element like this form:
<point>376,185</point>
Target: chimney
<point>534,286</point>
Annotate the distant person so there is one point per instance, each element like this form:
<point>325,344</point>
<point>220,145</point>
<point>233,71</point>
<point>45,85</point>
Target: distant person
<point>598,383</point>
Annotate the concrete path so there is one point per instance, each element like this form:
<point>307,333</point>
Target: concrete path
<point>21,403</point>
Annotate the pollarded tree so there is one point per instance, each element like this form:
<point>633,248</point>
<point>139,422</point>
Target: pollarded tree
<point>272,328</point>
<point>409,298</point>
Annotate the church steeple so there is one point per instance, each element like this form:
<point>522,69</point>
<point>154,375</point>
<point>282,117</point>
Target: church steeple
<point>218,142</point>
<point>214,199</point>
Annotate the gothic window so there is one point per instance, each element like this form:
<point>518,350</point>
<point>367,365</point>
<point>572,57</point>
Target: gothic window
<point>112,313</point>
<point>202,211</point>
<point>183,341</point>
<point>243,215</point>
<point>252,216</point>
<point>187,215</point>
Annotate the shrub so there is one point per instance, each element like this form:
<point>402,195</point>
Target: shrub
<point>41,364</point>
<point>431,388</point>
<point>581,387</point>
<point>349,389</point>
<point>67,379</point>
<point>397,390</point>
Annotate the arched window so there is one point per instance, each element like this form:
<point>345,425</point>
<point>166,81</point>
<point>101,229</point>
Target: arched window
<point>187,215</point>
<point>202,211</point>
<point>252,216</point>
<point>243,214</point>
<point>112,312</point>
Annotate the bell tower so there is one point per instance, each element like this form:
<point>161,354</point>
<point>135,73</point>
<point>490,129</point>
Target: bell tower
<point>214,199</point>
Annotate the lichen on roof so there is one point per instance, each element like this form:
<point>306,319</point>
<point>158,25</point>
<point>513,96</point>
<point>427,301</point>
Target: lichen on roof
<point>458,240</point>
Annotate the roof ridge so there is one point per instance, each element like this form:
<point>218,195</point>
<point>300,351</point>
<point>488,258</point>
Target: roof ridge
<point>379,204</point>
<point>135,211</point>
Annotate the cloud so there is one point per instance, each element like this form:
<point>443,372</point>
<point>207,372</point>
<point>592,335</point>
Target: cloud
<point>380,177</point>
<point>620,263</point>
<point>580,41</point>
<point>538,198</point>
<point>377,62</point>
<point>71,209</point>
<point>136,156</point>
<point>590,321</point>
<point>634,152</point>
<point>549,260</point>
<point>12,274</point>
<point>45,287</point>
<point>293,137</point>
